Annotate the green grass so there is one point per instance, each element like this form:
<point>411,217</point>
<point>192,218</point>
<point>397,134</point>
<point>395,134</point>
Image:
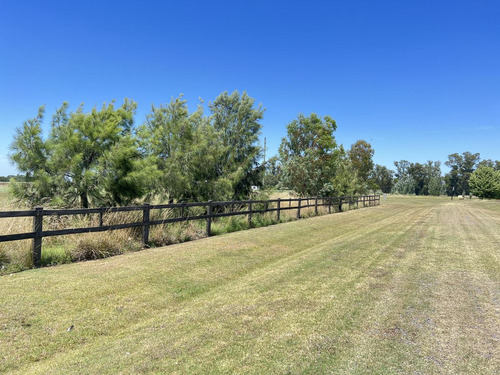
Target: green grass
<point>53,255</point>
<point>411,286</point>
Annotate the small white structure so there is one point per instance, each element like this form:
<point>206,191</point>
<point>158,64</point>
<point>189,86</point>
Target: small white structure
<point>254,188</point>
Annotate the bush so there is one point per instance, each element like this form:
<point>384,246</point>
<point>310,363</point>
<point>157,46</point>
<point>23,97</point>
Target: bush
<point>95,247</point>
<point>176,233</point>
<point>485,183</point>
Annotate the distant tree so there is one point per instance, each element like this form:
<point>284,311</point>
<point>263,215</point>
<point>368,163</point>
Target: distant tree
<point>462,167</point>
<point>489,163</point>
<point>436,185</point>
<point>433,180</point>
<point>29,152</point>
<point>422,176</point>
<point>383,178</point>
<point>309,154</point>
<point>361,154</point>
<point>418,172</point>
<point>272,173</point>
<point>402,168</point>
<point>485,182</point>
<point>404,185</point>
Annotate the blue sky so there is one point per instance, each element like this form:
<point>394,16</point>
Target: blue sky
<point>417,79</point>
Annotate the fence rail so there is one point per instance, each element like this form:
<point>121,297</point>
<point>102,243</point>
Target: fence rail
<point>211,210</point>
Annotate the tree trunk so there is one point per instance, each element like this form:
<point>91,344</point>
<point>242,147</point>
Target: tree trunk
<point>84,200</point>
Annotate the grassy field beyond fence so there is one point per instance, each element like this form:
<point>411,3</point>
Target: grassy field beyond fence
<point>411,286</point>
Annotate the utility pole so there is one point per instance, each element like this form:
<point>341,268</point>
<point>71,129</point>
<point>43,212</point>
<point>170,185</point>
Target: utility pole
<point>264,174</point>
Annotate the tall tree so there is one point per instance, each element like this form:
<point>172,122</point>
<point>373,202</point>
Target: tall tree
<point>418,173</point>
<point>433,178</point>
<point>166,139</point>
<point>462,167</point>
<point>383,178</point>
<point>237,122</point>
<point>88,159</point>
<point>361,155</point>
<point>309,154</point>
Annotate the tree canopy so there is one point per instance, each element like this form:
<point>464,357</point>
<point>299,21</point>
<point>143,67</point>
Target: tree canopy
<point>98,158</point>
<point>309,154</point>
<point>88,158</point>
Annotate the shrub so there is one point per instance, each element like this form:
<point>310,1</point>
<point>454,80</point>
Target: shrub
<point>485,183</point>
<point>175,233</point>
<point>95,247</point>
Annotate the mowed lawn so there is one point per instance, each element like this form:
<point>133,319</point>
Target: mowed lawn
<point>411,286</point>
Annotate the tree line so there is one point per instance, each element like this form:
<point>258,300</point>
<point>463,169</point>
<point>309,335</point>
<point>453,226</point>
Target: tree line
<point>102,158</point>
<point>468,175</point>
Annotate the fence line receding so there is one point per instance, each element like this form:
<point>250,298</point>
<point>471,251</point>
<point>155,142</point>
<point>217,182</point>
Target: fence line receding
<point>211,210</point>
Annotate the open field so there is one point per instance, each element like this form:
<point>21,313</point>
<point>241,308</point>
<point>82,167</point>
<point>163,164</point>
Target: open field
<point>411,286</point>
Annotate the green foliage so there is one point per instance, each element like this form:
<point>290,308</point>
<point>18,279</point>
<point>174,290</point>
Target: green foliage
<point>436,186</point>
<point>462,167</point>
<point>55,255</point>
<point>237,124</point>
<point>485,182</point>
<point>422,177</point>
<point>202,158</point>
<point>490,163</point>
<point>405,185</point>
<point>309,154</point>
<point>167,141</point>
<point>361,156</point>
<point>272,173</point>
<point>88,159</point>
<point>29,151</point>
<point>346,180</point>
<point>383,178</point>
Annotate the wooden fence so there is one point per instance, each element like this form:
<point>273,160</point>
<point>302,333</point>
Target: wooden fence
<point>211,210</point>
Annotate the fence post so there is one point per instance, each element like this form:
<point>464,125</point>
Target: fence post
<point>278,211</point>
<point>298,208</point>
<point>101,212</point>
<point>145,224</point>
<point>209,218</point>
<point>357,201</point>
<point>340,204</point>
<point>250,214</point>
<point>37,240</point>
<point>329,205</point>
<point>316,206</point>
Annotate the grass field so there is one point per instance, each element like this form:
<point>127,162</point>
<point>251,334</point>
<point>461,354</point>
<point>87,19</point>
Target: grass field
<point>411,286</point>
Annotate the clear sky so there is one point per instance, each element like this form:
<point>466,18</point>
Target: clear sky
<point>417,79</point>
